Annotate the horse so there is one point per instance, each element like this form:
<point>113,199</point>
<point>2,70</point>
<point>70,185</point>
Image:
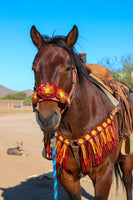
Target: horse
<point>87,128</point>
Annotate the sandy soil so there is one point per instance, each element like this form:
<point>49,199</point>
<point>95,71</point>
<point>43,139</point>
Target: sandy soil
<point>15,171</point>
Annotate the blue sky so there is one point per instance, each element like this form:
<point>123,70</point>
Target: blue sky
<point>105,30</point>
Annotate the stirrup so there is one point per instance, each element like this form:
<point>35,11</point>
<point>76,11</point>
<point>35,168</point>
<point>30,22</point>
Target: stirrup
<point>127,145</point>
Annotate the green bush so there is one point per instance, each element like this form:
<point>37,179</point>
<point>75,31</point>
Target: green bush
<point>16,96</point>
<point>122,68</point>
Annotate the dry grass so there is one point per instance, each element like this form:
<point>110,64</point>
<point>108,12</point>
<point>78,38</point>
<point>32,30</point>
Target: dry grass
<point>12,110</point>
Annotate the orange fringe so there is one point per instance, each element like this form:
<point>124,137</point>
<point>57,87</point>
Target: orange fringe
<point>95,145</point>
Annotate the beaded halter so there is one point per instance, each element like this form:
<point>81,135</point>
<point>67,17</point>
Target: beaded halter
<point>50,91</point>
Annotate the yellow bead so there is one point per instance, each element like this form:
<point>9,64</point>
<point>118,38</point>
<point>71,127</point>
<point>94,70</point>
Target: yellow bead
<point>81,141</point>
<point>99,128</point>
<point>93,132</point>
<point>87,136</point>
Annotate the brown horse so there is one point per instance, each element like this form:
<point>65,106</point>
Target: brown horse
<point>71,105</point>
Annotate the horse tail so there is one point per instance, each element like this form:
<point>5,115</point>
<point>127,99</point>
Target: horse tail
<point>118,174</point>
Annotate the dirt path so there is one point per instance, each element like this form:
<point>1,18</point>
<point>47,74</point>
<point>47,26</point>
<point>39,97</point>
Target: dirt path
<point>15,170</point>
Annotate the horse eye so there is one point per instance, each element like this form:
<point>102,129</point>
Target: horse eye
<point>67,69</point>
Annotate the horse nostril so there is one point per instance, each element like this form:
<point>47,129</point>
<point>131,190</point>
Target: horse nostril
<point>55,113</point>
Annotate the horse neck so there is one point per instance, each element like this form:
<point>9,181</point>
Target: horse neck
<point>88,109</point>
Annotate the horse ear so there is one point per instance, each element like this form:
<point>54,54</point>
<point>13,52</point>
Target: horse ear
<point>72,37</point>
<point>36,37</point>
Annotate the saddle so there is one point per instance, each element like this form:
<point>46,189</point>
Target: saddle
<point>124,97</point>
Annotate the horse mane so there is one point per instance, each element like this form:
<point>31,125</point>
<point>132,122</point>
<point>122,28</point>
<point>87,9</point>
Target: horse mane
<point>61,41</point>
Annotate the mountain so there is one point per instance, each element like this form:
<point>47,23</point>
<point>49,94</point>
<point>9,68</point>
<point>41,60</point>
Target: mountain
<point>4,91</point>
<point>28,92</point>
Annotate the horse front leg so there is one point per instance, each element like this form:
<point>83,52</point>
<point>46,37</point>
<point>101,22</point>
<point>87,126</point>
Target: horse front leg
<point>71,185</point>
<point>102,180</point>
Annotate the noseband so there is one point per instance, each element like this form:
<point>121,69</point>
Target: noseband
<point>50,91</point>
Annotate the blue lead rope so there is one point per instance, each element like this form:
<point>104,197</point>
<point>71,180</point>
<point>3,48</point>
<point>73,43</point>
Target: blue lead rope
<point>52,146</point>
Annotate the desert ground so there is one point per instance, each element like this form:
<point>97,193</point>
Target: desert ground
<point>19,174</point>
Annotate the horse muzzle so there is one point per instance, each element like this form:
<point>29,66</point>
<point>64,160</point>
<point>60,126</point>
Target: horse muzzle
<point>49,124</point>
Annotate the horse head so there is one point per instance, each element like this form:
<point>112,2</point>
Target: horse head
<point>55,77</point>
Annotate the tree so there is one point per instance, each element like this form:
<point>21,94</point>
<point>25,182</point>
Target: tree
<point>127,69</point>
<point>122,69</point>
<point>28,100</point>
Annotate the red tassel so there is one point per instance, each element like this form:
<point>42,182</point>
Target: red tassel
<point>81,143</point>
<point>58,146</point>
<point>96,144</point>
<point>61,149</point>
<point>49,152</point>
<point>103,141</point>
<point>65,161</point>
<point>90,151</point>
